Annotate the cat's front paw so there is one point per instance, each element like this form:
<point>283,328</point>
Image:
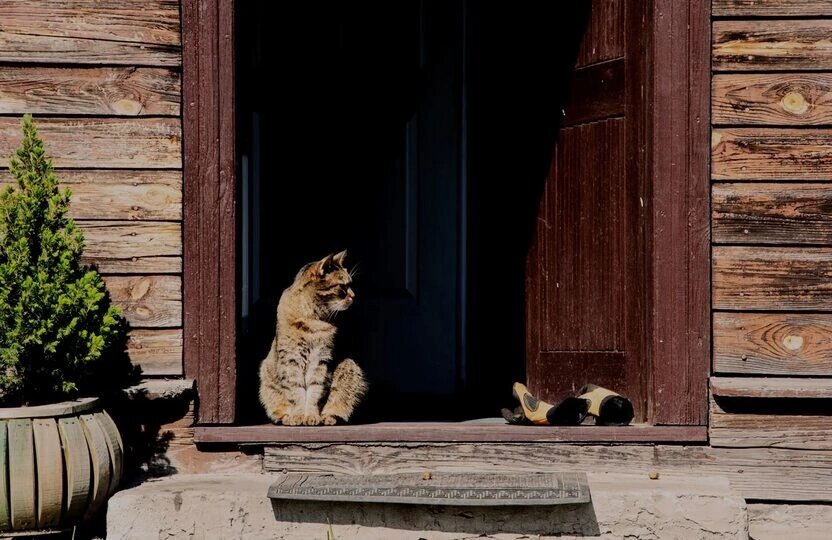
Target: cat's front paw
<point>312,420</point>
<point>292,420</point>
<point>329,420</point>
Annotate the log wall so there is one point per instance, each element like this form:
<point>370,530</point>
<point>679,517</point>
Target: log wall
<point>771,225</point>
<point>103,81</point>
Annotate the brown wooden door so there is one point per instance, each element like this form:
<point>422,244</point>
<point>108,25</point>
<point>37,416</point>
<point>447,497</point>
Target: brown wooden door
<point>585,276</point>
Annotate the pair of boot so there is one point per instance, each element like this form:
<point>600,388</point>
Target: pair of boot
<point>607,407</point>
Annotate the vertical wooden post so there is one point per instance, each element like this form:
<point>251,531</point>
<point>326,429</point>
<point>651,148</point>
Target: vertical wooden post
<point>210,187</point>
<point>680,209</point>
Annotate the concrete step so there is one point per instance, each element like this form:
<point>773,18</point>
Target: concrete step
<point>798,521</point>
<point>232,507</point>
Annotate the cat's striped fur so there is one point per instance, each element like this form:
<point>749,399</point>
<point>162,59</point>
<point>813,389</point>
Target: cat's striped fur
<point>300,384</point>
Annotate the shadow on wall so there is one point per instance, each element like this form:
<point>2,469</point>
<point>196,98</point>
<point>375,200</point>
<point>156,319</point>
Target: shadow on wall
<point>375,520</point>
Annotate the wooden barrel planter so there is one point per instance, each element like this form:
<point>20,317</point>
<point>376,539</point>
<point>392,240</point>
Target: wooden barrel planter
<point>58,464</point>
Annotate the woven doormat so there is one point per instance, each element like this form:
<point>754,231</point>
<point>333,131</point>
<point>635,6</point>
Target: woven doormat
<point>458,489</point>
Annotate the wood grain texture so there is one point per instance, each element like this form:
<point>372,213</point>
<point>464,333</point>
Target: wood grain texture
<point>771,8</point>
<point>498,431</point>
<point>115,446</point>
<point>119,194</point>
<point>78,472</point>
<point>773,344</point>
<point>756,473</point>
<point>50,472</point>
<point>22,481</point>
<point>771,387</point>
<point>603,38</point>
<point>772,278</point>
<point>100,461</point>
<point>89,32</point>
<point>5,517</point>
<point>127,91</point>
<point>753,430</point>
<point>133,247</point>
<point>772,45</point>
<point>148,301</point>
<point>157,352</point>
<point>677,210</point>
<point>585,243</point>
<point>771,154</point>
<point>210,229</point>
<point>118,143</point>
<point>772,98</point>
<point>596,92</point>
<point>768,213</point>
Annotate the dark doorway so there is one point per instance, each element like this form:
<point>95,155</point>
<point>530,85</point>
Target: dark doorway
<point>359,147</point>
<point>417,135</point>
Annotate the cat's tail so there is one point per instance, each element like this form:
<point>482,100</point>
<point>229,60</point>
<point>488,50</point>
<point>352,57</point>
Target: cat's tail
<point>347,390</point>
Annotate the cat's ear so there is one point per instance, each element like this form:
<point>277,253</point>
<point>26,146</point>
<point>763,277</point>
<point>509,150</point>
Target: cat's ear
<point>325,265</point>
<point>339,257</point>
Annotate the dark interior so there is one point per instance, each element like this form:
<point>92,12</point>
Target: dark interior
<point>416,135</point>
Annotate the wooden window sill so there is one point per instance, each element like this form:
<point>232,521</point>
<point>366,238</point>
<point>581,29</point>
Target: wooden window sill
<point>475,431</point>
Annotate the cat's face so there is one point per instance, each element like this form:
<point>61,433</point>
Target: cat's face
<point>330,282</point>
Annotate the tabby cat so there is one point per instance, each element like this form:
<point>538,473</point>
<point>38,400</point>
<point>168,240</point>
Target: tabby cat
<point>298,385</point>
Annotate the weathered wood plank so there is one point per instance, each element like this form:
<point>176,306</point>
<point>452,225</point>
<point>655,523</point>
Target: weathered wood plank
<point>773,344</point>
<point>771,213</point>
<point>133,247</point>
<point>118,143</point>
<point>115,446</point>
<point>143,21</point>
<point>78,470</point>
<point>148,301</point>
<point>772,98</point>
<point>100,457</point>
<point>119,194</point>
<point>5,516</point>
<point>678,329</point>
<point>85,31</point>
<point>498,431</point>
<point>771,8</point>
<point>113,91</point>
<point>771,45</point>
<point>753,430</point>
<point>70,50</point>
<point>210,204</point>
<point>49,464</point>
<point>771,154</point>
<point>158,352</point>
<point>757,473</point>
<point>603,38</point>
<point>22,480</point>
<point>772,278</point>
<point>771,387</point>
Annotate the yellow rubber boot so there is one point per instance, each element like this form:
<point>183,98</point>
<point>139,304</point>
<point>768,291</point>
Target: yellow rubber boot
<point>534,409</point>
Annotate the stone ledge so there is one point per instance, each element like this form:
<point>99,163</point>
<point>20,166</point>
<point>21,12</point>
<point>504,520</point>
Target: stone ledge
<point>162,389</point>
<point>226,506</point>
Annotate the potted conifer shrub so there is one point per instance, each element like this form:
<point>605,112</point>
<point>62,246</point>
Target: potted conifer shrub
<point>60,452</point>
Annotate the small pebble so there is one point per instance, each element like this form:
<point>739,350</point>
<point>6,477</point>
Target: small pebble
<point>653,475</point>
<point>426,475</point>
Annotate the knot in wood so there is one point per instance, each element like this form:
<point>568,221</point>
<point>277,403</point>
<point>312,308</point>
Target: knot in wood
<point>795,103</point>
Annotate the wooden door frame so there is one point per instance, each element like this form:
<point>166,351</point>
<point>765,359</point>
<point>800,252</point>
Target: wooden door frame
<point>210,292</point>
<point>677,151</point>
<point>679,304</point>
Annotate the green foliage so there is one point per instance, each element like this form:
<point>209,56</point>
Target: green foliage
<point>56,321</point>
